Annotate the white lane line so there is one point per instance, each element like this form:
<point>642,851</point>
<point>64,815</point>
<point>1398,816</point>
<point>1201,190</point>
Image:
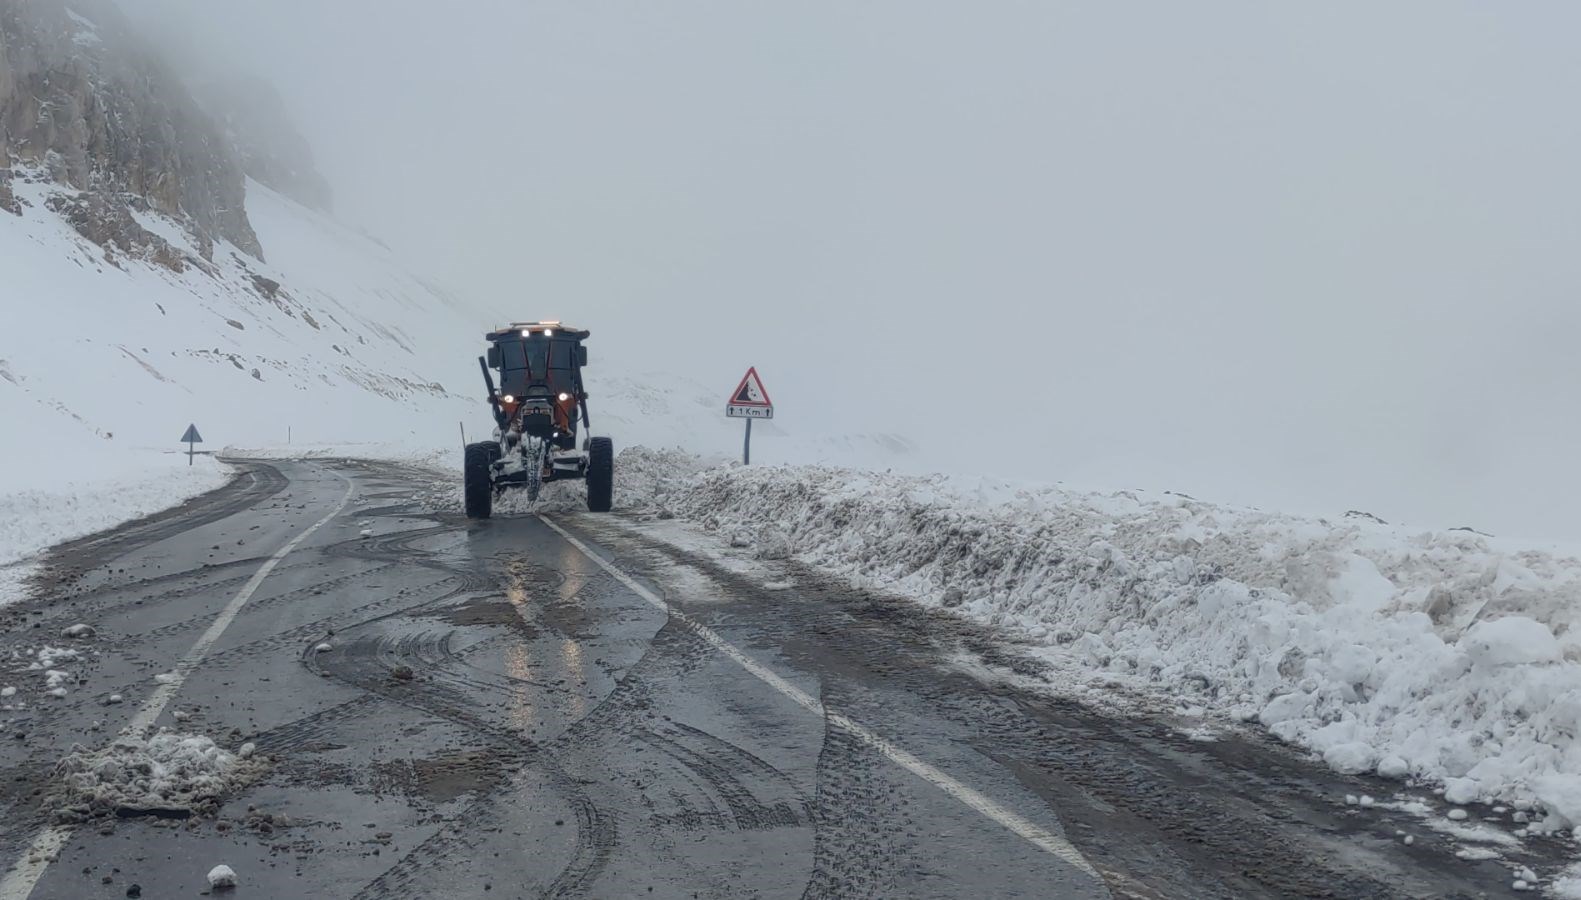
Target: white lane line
<point>24,876</point>
<point>1039,837</point>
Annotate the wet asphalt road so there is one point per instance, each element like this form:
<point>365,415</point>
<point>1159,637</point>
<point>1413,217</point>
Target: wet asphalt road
<point>498,715</point>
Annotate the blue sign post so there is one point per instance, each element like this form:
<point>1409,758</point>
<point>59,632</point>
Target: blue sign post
<point>191,438</point>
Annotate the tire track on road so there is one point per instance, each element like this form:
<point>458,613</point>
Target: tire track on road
<point>969,797</point>
<point>65,563</point>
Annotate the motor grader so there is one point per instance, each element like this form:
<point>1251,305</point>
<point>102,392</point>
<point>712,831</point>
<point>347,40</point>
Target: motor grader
<point>540,410</point>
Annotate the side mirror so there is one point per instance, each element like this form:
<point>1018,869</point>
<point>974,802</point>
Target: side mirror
<point>494,357</point>
<point>581,356</point>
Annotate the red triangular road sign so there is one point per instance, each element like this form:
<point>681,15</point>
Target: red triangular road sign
<point>750,391</point>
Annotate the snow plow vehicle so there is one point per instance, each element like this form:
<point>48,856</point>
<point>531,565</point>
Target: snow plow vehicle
<point>540,407</point>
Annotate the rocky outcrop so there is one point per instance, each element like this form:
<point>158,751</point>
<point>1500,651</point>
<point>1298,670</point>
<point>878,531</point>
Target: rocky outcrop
<point>7,87</point>
<point>111,225</point>
<point>83,100</point>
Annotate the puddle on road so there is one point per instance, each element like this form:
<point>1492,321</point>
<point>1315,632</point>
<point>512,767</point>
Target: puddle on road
<point>444,777</point>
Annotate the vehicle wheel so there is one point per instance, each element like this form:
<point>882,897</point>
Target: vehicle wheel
<point>476,483</point>
<point>600,474</point>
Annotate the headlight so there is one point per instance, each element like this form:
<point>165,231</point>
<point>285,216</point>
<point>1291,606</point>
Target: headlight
<point>508,398</point>
<point>548,332</point>
<point>564,397</point>
<point>526,333</point>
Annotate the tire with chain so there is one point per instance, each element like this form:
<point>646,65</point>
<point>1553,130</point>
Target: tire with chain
<point>600,474</point>
<point>476,482</point>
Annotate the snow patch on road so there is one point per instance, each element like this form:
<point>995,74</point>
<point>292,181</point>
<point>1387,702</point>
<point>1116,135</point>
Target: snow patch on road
<point>222,877</point>
<point>169,774</point>
<point>48,657</point>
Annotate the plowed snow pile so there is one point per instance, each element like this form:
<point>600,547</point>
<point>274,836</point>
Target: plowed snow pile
<point>169,775</point>
<point>1440,655</point>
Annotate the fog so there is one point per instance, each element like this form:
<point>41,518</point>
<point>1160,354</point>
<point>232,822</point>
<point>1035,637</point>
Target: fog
<point>1315,258</point>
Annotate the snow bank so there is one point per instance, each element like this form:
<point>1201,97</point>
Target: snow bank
<point>1439,655</point>
<point>79,504</point>
<point>1568,885</point>
<point>170,775</point>
<point>74,505</point>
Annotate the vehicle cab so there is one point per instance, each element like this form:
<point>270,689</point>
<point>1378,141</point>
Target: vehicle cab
<point>540,387</point>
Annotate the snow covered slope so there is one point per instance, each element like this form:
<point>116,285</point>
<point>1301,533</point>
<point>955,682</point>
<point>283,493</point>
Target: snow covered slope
<point>108,354</point>
<point>329,337</point>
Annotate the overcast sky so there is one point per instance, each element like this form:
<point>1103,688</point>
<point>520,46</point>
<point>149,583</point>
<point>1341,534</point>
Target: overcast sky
<point>1317,256</point>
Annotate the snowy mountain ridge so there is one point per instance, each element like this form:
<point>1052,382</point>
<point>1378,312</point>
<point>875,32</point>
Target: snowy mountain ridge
<point>149,284</point>
<point>85,100</point>
<point>236,341</point>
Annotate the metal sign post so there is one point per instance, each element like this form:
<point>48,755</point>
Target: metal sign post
<point>749,401</point>
<point>191,438</point>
